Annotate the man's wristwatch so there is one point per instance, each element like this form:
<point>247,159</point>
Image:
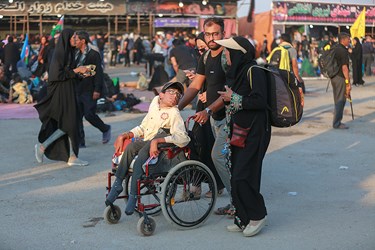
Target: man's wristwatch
<point>209,111</point>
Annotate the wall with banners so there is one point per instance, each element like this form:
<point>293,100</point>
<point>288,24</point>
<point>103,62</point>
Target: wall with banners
<point>284,11</point>
<point>113,7</point>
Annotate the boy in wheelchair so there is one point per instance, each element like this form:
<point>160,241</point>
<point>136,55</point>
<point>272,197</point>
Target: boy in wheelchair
<point>162,114</point>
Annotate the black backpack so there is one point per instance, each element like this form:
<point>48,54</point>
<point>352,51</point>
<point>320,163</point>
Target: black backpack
<point>328,63</point>
<point>284,98</point>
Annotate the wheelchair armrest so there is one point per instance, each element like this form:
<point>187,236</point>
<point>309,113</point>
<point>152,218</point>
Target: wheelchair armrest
<point>166,146</point>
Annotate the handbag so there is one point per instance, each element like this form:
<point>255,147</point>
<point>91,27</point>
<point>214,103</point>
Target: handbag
<point>239,136</point>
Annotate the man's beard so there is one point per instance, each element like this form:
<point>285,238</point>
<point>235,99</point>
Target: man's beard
<point>216,47</point>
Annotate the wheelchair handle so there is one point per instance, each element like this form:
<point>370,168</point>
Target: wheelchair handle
<point>188,121</point>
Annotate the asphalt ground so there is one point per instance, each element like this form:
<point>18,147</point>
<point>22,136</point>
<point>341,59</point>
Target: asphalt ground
<point>318,184</point>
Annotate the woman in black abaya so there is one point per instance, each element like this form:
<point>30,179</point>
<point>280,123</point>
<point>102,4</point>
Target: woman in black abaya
<point>246,107</point>
<point>356,57</point>
<point>59,135</point>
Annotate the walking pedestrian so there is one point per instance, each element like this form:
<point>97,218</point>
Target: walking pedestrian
<point>89,89</point>
<point>59,133</point>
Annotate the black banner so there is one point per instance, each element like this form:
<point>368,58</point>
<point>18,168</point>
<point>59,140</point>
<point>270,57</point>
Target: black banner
<point>320,12</point>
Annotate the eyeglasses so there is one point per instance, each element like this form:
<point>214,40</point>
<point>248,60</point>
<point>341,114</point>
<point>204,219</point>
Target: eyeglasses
<point>202,50</point>
<point>174,92</point>
<point>213,34</point>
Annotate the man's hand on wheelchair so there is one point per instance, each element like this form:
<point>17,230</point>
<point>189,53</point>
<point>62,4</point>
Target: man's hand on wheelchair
<point>201,117</point>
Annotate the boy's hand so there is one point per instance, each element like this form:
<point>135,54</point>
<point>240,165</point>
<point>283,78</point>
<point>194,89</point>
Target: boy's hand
<point>154,152</point>
<point>119,142</point>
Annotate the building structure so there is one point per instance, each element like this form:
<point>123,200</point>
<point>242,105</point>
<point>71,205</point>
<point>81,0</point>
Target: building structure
<point>114,16</point>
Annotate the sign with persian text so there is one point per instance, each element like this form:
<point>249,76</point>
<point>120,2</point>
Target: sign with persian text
<point>217,9</point>
<point>114,7</point>
<point>306,12</point>
<point>176,22</point>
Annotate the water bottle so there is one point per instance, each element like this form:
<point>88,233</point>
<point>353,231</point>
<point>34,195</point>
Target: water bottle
<point>134,139</point>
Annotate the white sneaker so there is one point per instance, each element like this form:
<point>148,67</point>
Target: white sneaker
<point>38,153</point>
<point>77,162</point>
<point>234,228</point>
<point>253,230</point>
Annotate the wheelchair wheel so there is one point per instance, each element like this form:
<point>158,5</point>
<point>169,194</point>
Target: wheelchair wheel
<point>183,202</point>
<point>110,217</point>
<point>149,196</point>
<point>146,229</point>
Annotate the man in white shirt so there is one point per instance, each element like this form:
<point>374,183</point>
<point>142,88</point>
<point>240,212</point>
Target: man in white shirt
<point>162,114</point>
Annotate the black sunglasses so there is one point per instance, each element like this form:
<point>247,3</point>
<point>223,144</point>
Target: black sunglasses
<point>202,50</point>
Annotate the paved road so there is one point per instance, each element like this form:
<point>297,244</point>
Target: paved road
<point>318,183</point>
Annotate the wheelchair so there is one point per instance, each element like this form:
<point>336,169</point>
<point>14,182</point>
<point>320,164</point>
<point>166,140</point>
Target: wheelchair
<point>175,186</point>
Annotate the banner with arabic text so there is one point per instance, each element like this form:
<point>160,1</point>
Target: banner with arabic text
<point>306,12</point>
<point>113,7</point>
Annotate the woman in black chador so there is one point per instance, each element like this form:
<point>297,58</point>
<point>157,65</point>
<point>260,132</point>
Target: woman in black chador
<point>356,57</point>
<point>247,115</point>
<point>59,135</point>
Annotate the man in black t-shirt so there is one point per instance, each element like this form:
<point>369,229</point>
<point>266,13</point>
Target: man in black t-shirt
<point>341,82</point>
<point>210,70</point>
<point>182,59</point>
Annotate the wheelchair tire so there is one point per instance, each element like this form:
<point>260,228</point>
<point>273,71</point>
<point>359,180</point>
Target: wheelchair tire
<point>152,197</point>
<point>182,207</point>
<point>146,229</point>
<point>110,217</point>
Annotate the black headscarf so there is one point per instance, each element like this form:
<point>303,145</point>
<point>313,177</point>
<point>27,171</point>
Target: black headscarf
<point>200,37</point>
<point>241,62</point>
<point>358,46</point>
<point>62,57</point>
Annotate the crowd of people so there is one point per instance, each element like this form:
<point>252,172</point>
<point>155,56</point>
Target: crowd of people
<point>208,70</point>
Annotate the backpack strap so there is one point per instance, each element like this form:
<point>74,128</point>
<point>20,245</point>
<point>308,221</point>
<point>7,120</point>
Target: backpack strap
<point>285,60</point>
<point>250,76</point>
<point>224,61</point>
<point>250,73</point>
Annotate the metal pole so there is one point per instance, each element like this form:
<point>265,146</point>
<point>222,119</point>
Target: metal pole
<point>28,24</point>
<point>139,22</point>
<point>40,25</point>
<point>150,25</point>
<point>15,25</point>
<point>10,24</point>
<point>116,24</point>
<point>24,25</point>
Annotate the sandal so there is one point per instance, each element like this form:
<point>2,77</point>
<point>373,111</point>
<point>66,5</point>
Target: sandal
<point>227,210</point>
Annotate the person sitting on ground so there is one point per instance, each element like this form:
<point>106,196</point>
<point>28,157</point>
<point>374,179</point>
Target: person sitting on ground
<point>4,87</point>
<point>19,91</point>
<point>162,115</point>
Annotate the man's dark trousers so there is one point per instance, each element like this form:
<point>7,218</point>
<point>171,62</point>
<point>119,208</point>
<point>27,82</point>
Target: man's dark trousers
<point>339,88</point>
<point>87,108</point>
